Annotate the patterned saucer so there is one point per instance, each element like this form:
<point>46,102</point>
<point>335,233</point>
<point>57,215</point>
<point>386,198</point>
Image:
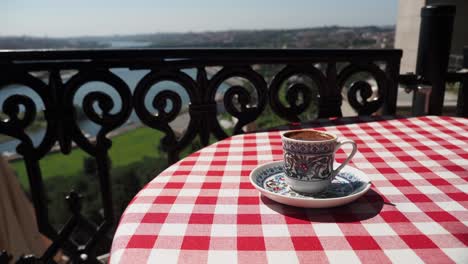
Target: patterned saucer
<point>349,185</point>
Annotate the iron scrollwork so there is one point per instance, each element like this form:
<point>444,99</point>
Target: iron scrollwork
<point>16,127</point>
<point>160,120</point>
<point>62,126</point>
<point>294,90</point>
<point>368,104</point>
<point>107,121</point>
<point>245,111</point>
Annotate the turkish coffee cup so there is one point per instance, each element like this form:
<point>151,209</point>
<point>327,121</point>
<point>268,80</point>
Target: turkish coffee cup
<point>309,156</point>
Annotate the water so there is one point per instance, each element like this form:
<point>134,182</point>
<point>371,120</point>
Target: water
<point>117,44</point>
<point>130,77</point>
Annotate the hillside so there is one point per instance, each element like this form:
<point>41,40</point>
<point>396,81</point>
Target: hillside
<point>320,37</point>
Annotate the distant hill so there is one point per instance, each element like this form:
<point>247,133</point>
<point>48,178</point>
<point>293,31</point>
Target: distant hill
<point>324,37</point>
<point>25,42</point>
<point>320,37</point>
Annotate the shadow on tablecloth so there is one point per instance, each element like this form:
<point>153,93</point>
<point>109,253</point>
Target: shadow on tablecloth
<point>366,207</point>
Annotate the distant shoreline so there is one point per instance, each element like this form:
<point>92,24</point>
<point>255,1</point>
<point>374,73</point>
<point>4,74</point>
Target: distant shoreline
<point>300,37</point>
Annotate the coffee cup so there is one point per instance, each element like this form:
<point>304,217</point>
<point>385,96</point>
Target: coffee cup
<point>309,156</point>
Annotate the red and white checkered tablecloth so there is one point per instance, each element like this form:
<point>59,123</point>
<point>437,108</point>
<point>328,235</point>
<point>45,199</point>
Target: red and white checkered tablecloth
<point>203,209</point>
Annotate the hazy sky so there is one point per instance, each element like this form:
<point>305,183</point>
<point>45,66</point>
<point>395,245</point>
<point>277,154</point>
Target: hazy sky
<point>105,17</point>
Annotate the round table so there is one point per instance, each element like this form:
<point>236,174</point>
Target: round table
<point>203,209</point>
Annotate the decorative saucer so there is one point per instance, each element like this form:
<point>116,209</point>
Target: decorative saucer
<point>348,185</point>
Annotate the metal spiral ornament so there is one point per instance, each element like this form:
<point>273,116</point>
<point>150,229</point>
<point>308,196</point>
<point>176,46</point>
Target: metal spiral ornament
<point>162,118</point>
<point>15,126</point>
<point>11,107</point>
<point>294,91</point>
<point>367,105</point>
<point>247,112</point>
<point>107,120</point>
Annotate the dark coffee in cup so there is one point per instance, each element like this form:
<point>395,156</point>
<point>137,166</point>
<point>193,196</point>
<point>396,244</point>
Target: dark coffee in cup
<point>309,135</point>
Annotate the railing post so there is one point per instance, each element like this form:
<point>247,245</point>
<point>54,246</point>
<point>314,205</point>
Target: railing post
<point>421,97</point>
<point>462,104</point>
<point>433,52</point>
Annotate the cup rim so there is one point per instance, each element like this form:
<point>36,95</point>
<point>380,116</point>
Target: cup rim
<point>308,141</point>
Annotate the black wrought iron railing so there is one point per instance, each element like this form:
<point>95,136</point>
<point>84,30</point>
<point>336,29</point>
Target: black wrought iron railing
<point>295,79</point>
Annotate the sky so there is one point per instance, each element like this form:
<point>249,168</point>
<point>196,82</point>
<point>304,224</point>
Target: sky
<point>65,18</point>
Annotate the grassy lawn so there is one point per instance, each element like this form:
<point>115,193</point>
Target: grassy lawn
<point>126,148</point>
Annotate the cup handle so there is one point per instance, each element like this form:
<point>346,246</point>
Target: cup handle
<point>338,146</point>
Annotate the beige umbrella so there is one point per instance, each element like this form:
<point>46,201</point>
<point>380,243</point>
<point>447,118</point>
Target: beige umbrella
<point>18,229</point>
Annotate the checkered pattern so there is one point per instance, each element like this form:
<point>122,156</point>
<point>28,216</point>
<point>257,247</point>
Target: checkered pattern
<point>204,210</point>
